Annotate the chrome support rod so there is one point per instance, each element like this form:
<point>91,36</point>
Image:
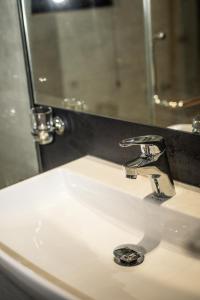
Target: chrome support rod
<point>149,55</point>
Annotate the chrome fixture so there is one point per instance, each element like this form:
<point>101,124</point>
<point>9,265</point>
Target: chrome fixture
<point>44,125</point>
<point>149,55</point>
<point>153,162</point>
<point>159,36</point>
<point>196,124</point>
<point>129,255</point>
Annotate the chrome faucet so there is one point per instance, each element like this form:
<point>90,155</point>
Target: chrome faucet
<point>152,162</point>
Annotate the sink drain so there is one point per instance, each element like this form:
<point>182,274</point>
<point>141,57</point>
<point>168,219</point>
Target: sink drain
<point>128,255</point>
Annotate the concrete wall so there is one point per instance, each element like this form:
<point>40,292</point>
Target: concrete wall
<point>17,151</point>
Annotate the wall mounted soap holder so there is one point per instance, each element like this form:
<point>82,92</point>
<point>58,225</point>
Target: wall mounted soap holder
<point>44,125</point>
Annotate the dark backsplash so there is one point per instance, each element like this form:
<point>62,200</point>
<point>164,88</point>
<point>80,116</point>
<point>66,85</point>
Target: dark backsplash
<point>99,136</point>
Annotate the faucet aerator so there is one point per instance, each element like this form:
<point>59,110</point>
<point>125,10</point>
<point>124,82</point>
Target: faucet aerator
<point>131,176</point>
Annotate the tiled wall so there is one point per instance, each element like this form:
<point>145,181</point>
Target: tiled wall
<point>17,151</point>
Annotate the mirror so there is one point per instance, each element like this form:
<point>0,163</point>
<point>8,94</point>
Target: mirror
<point>128,59</point>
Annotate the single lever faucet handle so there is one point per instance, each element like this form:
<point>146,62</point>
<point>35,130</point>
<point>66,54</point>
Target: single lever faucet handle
<point>150,144</point>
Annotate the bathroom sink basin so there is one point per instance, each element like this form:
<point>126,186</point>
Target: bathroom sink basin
<point>58,231</point>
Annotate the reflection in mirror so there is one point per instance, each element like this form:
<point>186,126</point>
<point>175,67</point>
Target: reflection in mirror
<point>90,58</point>
<point>177,61</point>
<point>106,57</point>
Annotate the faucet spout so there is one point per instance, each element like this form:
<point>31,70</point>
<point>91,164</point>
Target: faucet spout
<point>130,173</point>
<point>132,168</point>
<point>152,162</point>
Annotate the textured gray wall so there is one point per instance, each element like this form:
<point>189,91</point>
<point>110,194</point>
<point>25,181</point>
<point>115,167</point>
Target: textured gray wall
<point>17,151</point>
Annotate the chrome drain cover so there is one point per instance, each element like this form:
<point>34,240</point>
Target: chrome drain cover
<point>129,255</point>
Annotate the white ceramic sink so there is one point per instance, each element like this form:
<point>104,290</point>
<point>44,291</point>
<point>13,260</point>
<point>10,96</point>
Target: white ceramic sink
<point>58,231</point>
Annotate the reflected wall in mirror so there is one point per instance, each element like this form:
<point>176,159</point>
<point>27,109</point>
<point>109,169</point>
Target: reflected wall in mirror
<point>176,60</point>
<point>100,57</point>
